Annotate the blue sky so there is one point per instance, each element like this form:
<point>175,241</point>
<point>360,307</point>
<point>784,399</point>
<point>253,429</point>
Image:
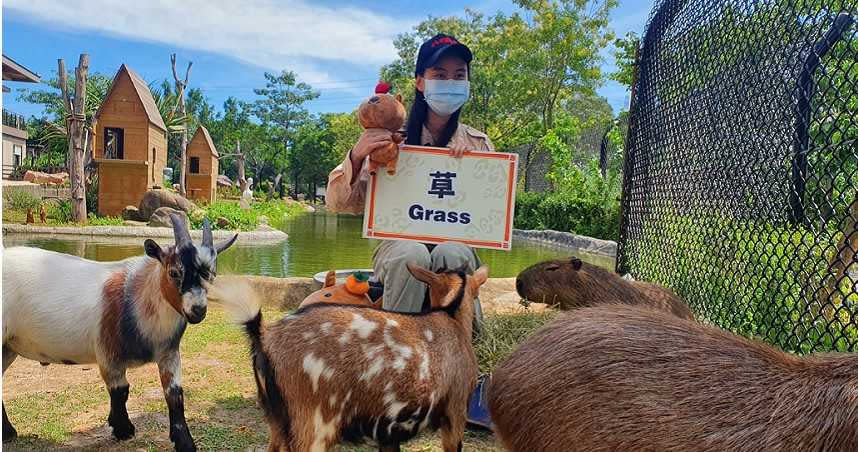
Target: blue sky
<point>336,46</point>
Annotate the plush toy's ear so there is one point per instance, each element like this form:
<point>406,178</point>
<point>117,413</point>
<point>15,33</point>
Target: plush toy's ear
<point>398,97</point>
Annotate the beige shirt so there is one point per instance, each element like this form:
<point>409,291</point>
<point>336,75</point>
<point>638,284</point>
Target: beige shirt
<point>343,197</point>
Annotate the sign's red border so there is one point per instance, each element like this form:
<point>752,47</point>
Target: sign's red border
<point>510,205</point>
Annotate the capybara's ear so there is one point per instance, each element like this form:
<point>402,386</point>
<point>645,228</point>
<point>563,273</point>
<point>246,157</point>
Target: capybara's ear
<point>576,263</point>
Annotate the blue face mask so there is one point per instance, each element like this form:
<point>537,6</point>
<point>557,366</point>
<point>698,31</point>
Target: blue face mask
<point>446,96</point>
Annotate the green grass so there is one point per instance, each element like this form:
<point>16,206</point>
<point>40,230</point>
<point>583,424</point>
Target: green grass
<point>220,395</point>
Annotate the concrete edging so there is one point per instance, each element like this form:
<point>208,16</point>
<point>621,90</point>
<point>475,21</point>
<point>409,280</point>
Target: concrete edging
<point>568,240</point>
<point>272,235</point>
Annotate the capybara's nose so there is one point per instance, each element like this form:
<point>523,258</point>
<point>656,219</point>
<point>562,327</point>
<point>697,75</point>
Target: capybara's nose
<point>519,286</point>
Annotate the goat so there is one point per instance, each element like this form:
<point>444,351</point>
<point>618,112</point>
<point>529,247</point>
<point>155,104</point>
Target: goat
<point>631,378</point>
<point>329,373</point>
<point>65,309</point>
<point>571,283</point>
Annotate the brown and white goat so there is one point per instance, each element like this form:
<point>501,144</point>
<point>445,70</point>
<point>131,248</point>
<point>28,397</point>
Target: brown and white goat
<point>571,283</point>
<point>631,378</point>
<point>64,309</point>
<point>331,373</point>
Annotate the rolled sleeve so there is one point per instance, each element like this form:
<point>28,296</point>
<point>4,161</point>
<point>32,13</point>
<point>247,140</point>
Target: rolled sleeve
<point>341,195</point>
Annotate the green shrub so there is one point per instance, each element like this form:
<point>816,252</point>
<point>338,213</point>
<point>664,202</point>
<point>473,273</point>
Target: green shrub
<point>21,200</point>
<point>95,220</point>
<point>61,211</point>
<point>277,211</point>
<point>236,217</point>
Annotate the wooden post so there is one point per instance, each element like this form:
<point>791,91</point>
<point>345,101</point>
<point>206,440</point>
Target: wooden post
<point>77,131</point>
<point>180,93</point>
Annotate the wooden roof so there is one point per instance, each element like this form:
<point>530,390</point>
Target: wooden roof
<point>208,138</point>
<point>143,94</point>
<point>13,71</point>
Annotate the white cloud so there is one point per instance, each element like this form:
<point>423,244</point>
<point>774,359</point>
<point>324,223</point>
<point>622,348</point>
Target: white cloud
<point>291,34</point>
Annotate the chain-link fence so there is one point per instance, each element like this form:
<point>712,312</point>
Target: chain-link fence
<point>741,174</point>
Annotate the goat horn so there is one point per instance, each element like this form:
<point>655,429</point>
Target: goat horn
<point>224,244</point>
<point>207,233</point>
<point>179,230</point>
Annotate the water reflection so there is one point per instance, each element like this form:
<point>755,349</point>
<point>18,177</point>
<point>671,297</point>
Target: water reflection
<point>316,242</point>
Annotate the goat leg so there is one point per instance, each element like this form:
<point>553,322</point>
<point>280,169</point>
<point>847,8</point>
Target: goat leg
<point>117,386</point>
<point>9,432</point>
<point>170,370</point>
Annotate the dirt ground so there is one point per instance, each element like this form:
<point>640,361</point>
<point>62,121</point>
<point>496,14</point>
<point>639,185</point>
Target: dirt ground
<point>60,407</point>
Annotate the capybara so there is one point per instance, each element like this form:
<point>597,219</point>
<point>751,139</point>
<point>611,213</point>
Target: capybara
<point>632,378</point>
<point>571,283</point>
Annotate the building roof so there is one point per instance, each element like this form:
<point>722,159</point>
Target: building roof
<point>15,72</point>
<point>208,138</point>
<point>143,93</point>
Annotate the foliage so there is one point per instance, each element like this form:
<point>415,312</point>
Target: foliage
<point>624,55</point>
<point>21,200</point>
<point>60,211</point>
<point>583,203</point>
<point>346,130</point>
<point>95,220</point>
<point>277,211</point>
<point>92,195</point>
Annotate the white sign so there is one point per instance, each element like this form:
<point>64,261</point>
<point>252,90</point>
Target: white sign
<point>436,198</point>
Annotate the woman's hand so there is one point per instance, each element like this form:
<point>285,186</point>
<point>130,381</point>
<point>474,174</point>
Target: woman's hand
<point>370,141</point>
<point>458,151</point>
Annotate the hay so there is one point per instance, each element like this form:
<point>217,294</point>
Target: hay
<point>502,333</point>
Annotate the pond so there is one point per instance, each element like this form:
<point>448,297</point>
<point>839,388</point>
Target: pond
<point>317,242</point>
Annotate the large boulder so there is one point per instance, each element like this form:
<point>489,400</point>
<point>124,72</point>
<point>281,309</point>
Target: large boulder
<point>132,213</point>
<point>161,218</point>
<point>155,199</point>
<point>38,177</point>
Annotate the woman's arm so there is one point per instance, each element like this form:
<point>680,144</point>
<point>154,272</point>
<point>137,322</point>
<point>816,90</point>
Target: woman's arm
<point>346,189</point>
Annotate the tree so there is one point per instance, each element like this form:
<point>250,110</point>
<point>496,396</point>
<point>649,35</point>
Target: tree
<point>313,155</point>
<point>281,109</point>
<point>78,134</point>
<point>346,130</point>
<point>180,112</point>
<point>625,51</point>
<point>527,65</point>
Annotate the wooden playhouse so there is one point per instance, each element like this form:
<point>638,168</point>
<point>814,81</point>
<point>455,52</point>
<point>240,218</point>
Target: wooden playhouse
<point>130,143</point>
<point>201,173</point>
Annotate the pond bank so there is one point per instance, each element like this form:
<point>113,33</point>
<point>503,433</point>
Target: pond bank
<point>583,243</point>
<point>259,235</point>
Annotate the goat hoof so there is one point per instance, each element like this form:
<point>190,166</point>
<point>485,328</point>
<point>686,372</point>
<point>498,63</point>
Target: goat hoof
<point>182,440</point>
<point>122,430</point>
<point>9,433</point>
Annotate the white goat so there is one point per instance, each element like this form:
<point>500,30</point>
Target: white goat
<point>64,309</point>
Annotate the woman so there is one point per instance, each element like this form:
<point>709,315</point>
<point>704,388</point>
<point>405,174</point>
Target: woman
<point>442,87</point>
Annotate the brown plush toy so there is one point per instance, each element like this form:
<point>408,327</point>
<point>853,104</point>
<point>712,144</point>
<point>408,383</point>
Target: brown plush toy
<point>353,291</point>
<point>383,111</point>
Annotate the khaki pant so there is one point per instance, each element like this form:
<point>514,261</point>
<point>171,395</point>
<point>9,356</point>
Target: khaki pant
<point>402,292</point>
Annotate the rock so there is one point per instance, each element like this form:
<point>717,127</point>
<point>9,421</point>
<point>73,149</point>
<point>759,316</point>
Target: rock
<point>161,218</point>
<point>223,181</point>
<point>222,223</point>
<point>134,223</point>
<point>282,293</point>
<point>38,177</point>
<point>264,228</point>
<point>155,199</point>
<point>301,197</point>
<point>131,213</point>
<point>262,219</point>
<point>310,209</point>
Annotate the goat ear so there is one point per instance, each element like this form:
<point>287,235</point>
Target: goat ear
<point>153,250</point>
<point>421,274</point>
<point>223,245</point>
<point>481,275</point>
<point>330,278</point>
<point>576,263</point>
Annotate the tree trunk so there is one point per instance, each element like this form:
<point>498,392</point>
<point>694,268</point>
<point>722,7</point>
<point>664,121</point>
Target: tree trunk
<point>239,163</point>
<point>76,126</point>
<point>180,94</point>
